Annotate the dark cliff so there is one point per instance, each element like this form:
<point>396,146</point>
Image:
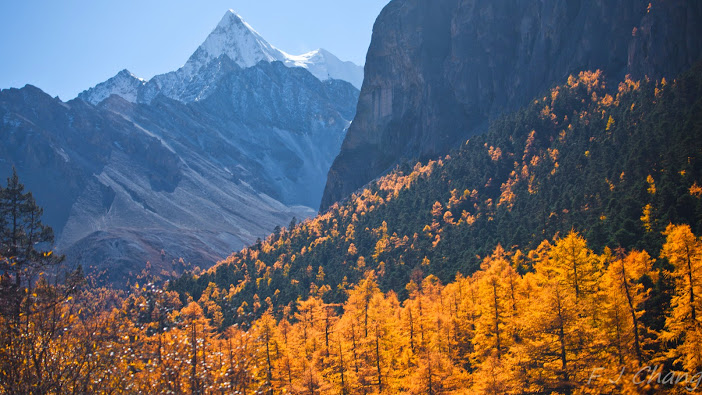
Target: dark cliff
<point>437,71</point>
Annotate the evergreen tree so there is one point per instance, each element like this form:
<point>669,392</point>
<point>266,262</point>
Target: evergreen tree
<point>22,235</point>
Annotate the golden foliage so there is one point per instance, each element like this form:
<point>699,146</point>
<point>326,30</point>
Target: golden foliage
<point>696,190</point>
<point>646,217</point>
<point>495,331</point>
<point>684,251</point>
<point>495,153</point>
<point>651,185</point>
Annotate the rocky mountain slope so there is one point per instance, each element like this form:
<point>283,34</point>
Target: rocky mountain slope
<point>232,41</point>
<point>125,181</point>
<point>438,71</point>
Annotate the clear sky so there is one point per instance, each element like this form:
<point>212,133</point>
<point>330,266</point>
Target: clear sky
<point>66,46</point>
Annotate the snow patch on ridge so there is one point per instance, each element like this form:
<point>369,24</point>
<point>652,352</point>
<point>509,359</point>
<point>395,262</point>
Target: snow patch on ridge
<point>124,84</point>
<point>324,65</point>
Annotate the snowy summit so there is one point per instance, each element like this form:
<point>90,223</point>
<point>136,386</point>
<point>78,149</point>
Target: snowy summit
<point>239,41</point>
<point>233,41</point>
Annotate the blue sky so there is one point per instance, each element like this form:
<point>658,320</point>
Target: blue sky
<point>66,46</point>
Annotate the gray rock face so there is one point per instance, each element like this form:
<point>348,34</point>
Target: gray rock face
<point>438,71</point>
<point>123,183</point>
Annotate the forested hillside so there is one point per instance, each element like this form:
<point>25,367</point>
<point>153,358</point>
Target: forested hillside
<point>617,165</point>
<point>440,71</point>
<point>556,253</point>
<point>577,322</point>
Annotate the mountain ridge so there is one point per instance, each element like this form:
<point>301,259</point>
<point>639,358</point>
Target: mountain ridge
<point>125,183</point>
<point>232,43</point>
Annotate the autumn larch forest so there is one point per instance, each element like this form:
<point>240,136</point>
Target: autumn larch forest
<point>558,253</point>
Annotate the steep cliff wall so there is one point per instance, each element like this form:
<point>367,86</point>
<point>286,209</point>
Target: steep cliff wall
<point>437,71</point>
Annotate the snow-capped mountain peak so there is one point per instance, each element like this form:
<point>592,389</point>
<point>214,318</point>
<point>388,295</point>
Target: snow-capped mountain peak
<point>232,43</point>
<point>236,39</point>
<point>239,41</point>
